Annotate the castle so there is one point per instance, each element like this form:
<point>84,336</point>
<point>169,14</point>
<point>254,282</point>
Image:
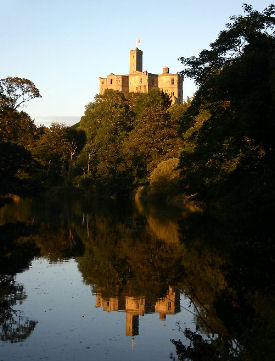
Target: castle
<point>138,81</point>
<point>137,306</point>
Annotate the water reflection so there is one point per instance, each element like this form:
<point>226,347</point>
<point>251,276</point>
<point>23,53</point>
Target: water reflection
<point>137,260</point>
<point>16,253</point>
<point>139,306</point>
<point>14,326</point>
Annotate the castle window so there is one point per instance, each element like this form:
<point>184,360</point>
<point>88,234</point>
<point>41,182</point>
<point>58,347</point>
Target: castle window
<point>172,81</point>
<point>140,80</point>
<point>111,81</point>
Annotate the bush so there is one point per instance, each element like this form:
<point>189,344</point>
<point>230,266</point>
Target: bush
<point>164,179</point>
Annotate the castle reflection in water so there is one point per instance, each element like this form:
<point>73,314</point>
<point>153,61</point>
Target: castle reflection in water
<point>137,306</point>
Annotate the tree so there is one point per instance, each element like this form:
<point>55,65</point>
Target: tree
<point>14,92</point>
<point>110,110</point>
<point>242,32</point>
<point>233,154</point>
<point>165,178</point>
<point>57,148</point>
<point>17,127</point>
<point>155,97</point>
<point>107,122</point>
<point>18,134</point>
<point>16,164</point>
<point>154,139</point>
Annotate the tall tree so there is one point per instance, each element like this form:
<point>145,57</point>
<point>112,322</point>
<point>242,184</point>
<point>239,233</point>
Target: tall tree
<point>155,136</point>
<point>14,92</point>
<point>17,127</point>
<point>57,148</point>
<point>233,156</point>
<point>107,122</point>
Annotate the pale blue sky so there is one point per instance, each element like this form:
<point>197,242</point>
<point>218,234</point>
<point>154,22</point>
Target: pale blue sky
<point>63,46</point>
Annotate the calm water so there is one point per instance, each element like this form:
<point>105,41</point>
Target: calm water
<point>108,281</point>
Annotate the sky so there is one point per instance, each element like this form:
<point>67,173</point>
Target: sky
<point>63,46</point>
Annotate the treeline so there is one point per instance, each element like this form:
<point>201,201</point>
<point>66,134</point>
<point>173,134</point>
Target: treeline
<point>117,145</point>
<point>217,147</point>
<point>128,139</point>
<point>32,159</point>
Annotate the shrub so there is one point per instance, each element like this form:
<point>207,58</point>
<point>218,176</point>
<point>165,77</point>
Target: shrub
<point>164,179</point>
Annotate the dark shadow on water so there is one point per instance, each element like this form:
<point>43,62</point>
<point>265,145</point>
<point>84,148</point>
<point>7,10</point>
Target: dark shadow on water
<point>138,258</point>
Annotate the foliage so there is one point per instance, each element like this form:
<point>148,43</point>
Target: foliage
<point>16,166</point>
<point>106,122</point>
<point>127,138</point>
<point>177,111</point>
<point>154,98</point>
<point>165,178</point>
<point>14,92</point>
<point>232,155</point>
<point>232,43</point>
<point>154,139</point>
<point>18,135</point>
<point>57,148</point>
<point>109,111</point>
<point>17,127</point>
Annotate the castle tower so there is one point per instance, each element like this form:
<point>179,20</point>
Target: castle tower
<point>132,324</point>
<point>135,60</point>
<point>139,81</point>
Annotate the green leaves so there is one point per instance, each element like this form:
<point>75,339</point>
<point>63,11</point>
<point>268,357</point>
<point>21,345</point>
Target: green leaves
<point>14,92</point>
<point>230,153</point>
<point>242,31</point>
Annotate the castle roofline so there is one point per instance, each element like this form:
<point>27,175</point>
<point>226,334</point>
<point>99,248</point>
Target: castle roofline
<point>167,74</point>
<point>117,74</point>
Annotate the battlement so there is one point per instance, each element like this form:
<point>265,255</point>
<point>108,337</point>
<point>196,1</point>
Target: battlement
<point>139,81</point>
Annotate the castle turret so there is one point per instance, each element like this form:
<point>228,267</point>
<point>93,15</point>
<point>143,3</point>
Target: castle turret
<point>139,81</point>
<point>135,60</point>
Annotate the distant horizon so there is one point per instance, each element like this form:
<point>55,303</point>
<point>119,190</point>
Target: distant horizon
<point>65,51</point>
<point>68,120</point>
<point>63,119</point>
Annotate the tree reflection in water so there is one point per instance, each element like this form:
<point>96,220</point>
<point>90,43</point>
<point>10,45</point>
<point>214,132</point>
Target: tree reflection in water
<point>229,277</point>
<point>136,258</point>
<point>16,253</point>
<point>14,327</point>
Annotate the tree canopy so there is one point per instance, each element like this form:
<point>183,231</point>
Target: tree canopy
<point>242,32</point>
<point>233,153</point>
<point>14,92</point>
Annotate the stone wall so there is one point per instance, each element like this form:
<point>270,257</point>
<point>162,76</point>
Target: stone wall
<point>114,82</point>
<point>138,81</point>
<point>171,84</point>
<point>135,60</point>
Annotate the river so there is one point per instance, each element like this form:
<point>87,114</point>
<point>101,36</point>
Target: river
<point>86,280</point>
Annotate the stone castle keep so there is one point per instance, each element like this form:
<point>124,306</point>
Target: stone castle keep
<point>138,81</point>
<point>137,306</point>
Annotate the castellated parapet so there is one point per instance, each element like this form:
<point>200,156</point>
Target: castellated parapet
<point>139,81</point>
<point>137,306</point>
